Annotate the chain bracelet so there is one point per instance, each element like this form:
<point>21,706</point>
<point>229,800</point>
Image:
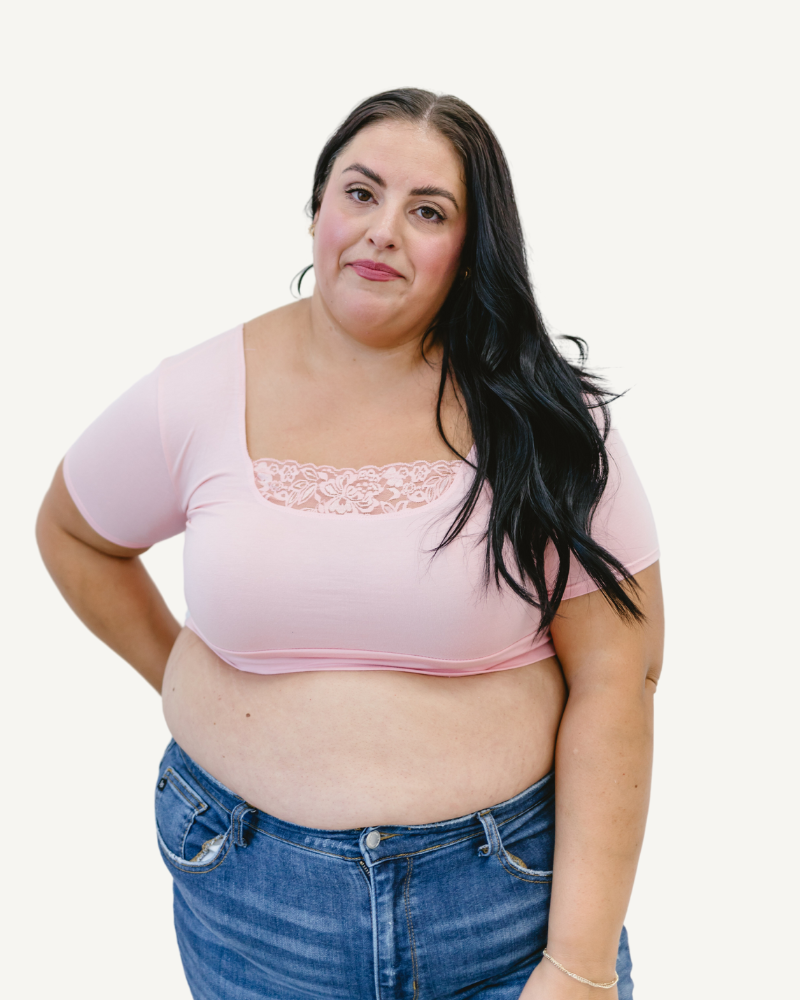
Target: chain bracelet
<point>599,986</point>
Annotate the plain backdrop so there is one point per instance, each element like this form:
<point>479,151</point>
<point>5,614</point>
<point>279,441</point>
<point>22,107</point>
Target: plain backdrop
<point>157,158</point>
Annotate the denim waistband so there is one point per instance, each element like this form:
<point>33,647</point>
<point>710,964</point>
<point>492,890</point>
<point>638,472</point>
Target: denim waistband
<point>395,841</point>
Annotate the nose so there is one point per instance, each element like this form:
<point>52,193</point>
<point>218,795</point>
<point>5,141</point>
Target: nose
<point>384,228</point>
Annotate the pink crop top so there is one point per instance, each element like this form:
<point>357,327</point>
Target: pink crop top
<point>293,567</point>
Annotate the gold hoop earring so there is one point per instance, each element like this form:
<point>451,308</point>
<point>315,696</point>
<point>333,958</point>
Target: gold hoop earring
<point>311,228</point>
<point>467,274</point>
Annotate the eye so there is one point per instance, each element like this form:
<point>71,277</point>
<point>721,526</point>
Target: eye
<point>359,194</point>
<point>430,214</point>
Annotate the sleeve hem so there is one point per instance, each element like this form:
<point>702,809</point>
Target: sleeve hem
<point>88,517</point>
<point>587,586</point>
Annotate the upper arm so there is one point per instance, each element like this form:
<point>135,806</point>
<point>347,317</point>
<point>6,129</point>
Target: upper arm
<point>59,516</point>
<point>597,647</point>
<point>117,476</point>
<point>623,522</point>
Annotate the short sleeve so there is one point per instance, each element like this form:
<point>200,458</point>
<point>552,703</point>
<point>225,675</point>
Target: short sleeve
<point>623,523</point>
<point>117,473</point>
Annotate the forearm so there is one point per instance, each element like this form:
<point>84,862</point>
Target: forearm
<point>114,597</point>
<point>603,766</point>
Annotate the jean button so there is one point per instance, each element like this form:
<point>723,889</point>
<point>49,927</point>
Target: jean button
<point>373,839</point>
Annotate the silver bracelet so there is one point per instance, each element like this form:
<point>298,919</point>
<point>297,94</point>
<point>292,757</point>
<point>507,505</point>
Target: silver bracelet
<point>599,986</point>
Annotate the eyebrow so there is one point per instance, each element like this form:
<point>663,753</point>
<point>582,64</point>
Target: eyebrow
<point>428,191</point>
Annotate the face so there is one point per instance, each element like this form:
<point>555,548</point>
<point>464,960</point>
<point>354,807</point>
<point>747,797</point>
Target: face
<point>389,232</point>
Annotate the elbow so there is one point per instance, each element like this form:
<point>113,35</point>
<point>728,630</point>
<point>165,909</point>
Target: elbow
<point>51,539</point>
<point>652,673</point>
<point>44,530</point>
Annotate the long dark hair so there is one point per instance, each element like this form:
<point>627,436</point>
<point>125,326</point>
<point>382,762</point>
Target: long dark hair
<point>539,422</point>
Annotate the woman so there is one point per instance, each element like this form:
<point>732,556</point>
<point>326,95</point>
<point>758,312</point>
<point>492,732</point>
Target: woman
<point>412,701</point>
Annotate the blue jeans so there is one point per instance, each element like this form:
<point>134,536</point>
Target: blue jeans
<point>267,909</point>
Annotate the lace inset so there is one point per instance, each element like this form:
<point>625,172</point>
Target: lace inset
<point>371,489</point>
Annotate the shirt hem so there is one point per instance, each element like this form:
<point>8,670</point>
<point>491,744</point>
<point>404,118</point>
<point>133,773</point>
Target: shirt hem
<point>287,661</point>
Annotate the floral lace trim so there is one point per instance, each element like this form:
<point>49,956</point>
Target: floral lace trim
<point>371,489</point>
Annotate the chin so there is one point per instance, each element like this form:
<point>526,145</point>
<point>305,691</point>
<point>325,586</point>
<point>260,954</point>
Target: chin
<point>370,325</point>
<point>367,312</point>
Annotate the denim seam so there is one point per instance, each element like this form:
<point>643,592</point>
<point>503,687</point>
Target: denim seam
<point>524,811</point>
<point>536,881</point>
<point>491,831</point>
<point>241,823</point>
<point>412,940</point>
<point>198,806</point>
<point>425,850</point>
<point>301,847</point>
<point>205,788</point>
<point>518,865</point>
<point>168,856</point>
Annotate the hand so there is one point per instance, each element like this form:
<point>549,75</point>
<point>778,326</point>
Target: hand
<point>549,983</point>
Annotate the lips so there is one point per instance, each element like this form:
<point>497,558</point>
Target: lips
<point>374,271</point>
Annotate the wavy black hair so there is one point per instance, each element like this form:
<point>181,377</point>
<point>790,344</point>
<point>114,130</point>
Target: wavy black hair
<point>539,422</point>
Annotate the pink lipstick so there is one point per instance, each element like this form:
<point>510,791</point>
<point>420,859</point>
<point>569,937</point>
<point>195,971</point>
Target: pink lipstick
<point>373,271</point>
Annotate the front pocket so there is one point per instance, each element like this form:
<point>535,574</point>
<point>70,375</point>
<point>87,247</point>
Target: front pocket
<point>516,866</point>
<point>190,831</point>
<point>177,807</point>
<point>536,845</point>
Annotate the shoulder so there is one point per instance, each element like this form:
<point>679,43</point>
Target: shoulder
<point>283,320</point>
<point>224,348</point>
<point>271,339</point>
<point>208,371</point>
<point>199,391</point>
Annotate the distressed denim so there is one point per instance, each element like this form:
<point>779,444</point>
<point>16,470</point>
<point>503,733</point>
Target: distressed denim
<point>266,910</point>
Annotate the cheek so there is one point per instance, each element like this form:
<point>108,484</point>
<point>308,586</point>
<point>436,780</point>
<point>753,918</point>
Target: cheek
<point>436,264</point>
<point>333,235</point>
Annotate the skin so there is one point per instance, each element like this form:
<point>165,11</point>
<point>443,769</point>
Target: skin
<point>337,379</point>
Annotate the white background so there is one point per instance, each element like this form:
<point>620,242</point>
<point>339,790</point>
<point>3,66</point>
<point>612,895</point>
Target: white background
<point>157,160</point>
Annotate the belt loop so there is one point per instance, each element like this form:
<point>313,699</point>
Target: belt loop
<point>237,822</point>
<point>492,833</point>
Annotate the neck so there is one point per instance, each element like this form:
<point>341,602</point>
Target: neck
<point>328,347</point>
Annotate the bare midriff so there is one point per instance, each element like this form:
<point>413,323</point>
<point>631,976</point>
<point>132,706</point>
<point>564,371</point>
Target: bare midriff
<point>352,748</point>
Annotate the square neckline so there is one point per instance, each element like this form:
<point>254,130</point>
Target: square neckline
<point>462,466</point>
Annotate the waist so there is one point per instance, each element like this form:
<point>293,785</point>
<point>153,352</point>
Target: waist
<point>392,841</point>
<point>343,749</point>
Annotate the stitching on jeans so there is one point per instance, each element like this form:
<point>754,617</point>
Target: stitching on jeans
<point>347,857</point>
<point>409,921</point>
<point>301,847</point>
<point>198,806</point>
<point>536,881</point>
<point>424,850</point>
<point>241,821</point>
<point>168,856</point>
<point>495,840</point>
<point>204,787</point>
<point>189,825</point>
<point>530,809</point>
<point>389,857</point>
